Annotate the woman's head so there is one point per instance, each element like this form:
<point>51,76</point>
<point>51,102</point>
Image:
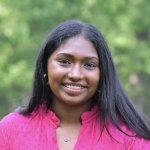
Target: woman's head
<point>57,37</point>
<point>73,72</point>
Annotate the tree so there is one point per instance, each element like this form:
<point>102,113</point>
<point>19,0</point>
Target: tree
<point>25,24</point>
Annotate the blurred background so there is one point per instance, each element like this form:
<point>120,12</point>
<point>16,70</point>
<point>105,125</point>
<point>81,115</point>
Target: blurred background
<point>24,25</point>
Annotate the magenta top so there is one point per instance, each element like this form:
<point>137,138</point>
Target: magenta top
<point>38,132</point>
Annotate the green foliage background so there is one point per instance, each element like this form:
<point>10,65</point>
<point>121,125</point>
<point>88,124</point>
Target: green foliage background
<point>25,24</point>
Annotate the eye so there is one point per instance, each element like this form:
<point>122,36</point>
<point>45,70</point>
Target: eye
<point>90,65</point>
<point>64,61</point>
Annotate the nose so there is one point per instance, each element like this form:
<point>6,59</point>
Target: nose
<point>76,73</point>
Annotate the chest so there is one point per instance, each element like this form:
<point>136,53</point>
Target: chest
<point>45,138</point>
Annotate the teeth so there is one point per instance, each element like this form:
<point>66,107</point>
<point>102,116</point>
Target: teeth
<point>73,87</point>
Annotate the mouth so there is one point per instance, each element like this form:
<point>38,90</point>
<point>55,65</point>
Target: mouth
<point>73,87</point>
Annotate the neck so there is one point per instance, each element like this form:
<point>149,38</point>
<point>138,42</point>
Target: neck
<point>70,114</point>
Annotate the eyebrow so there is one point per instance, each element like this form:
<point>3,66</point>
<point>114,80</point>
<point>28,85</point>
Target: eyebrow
<point>92,57</point>
<point>66,54</point>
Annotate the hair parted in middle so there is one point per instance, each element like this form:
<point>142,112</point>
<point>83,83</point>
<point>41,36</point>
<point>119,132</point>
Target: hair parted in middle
<point>113,102</point>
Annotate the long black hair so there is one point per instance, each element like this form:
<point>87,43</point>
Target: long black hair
<point>112,100</point>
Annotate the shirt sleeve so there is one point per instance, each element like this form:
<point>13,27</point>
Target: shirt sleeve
<point>137,143</point>
<point>141,144</point>
<point>9,130</point>
<point>4,124</point>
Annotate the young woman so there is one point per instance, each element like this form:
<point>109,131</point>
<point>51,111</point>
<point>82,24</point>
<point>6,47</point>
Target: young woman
<point>77,101</point>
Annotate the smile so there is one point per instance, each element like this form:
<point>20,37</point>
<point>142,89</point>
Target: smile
<point>73,87</point>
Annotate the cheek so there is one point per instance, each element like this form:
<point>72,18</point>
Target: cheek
<point>55,74</point>
<point>95,78</point>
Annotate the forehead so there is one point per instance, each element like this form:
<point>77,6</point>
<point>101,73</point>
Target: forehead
<point>77,46</point>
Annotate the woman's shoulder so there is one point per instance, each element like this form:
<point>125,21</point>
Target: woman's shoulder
<point>10,126</point>
<point>13,120</point>
<point>133,141</point>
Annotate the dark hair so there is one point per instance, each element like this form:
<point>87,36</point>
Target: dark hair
<point>112,100</point>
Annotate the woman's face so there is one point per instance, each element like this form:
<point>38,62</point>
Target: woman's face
<point>73,71</point>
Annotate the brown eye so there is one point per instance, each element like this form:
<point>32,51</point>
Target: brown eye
<point>64,61</point>
<point>90,65</point>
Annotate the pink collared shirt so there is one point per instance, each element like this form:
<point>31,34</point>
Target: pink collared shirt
<point>38,132</point>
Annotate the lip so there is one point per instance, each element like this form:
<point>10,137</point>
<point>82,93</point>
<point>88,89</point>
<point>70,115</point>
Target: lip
<point>75,84</point>
<point>74,91</point>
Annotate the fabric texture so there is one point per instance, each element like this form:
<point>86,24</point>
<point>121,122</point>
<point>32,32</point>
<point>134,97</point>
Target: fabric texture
<point>37,131</point>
